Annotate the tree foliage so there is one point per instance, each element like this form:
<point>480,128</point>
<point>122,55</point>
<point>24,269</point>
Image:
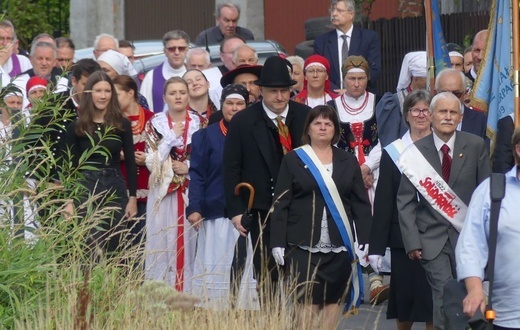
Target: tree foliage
<point>32,17</point>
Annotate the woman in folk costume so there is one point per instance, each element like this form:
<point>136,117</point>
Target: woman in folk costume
<point>199,99</point>
<point>138,115</point>
<point>316,85</point>
<point>356,111</point>
<point>170,239</point>
<point>206,211</point>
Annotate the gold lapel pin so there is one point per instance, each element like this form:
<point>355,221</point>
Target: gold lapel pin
<point>461,155</point>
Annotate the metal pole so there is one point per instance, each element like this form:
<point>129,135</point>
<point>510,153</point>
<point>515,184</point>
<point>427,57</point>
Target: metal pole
<point>429,42</point>
<point>515,10</point>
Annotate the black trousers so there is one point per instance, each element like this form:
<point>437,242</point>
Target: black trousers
<point>105,188</point>
<point>263,260</point>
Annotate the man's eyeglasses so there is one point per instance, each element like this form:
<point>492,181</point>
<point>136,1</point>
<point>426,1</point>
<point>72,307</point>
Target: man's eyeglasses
<point>456,93</point>
<point>415,112</point>
<point>173,49</point>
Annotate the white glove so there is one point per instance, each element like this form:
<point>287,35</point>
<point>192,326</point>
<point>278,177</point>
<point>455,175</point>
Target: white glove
<point>278,254</point>
<point>363,249</point>
<point>375,262</point>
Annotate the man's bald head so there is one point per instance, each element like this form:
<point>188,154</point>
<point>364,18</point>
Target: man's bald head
<point>479,42</point>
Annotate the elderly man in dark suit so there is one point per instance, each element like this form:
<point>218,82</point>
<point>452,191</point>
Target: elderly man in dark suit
<point>347,40</point>
<point>443,171</point>
<point>452,80</point>
<point>256,141</point>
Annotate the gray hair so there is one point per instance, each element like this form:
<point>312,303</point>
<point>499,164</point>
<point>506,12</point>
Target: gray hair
<point>63,42</point>
<point>41,36</point>
<point>43,44</point>
<point>235,52</point>
<point>419,95</point>
<point>351,5</point>
<point>296,60</point>
<point>226,5</point>
<point>7,24</point>
<point>445,96</point>
<point>175,35</point>
<point>198,51</point>
<point>448,71</point>
<point>105,35</point>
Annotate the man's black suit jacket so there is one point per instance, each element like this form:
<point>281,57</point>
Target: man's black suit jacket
<point>253,153</point>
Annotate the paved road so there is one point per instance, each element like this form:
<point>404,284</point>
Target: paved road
<point>372,317</point>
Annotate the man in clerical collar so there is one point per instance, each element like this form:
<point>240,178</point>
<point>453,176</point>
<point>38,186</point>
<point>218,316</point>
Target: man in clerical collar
<point>455,163</point>
<point>176,44</point>
<point>227,48</point>
<point>43,60</point>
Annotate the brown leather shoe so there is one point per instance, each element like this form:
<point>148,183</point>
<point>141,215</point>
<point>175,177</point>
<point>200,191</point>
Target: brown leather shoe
<point>379,294</point>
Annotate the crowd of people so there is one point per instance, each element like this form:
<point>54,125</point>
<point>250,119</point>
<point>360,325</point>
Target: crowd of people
<point>344,180</point>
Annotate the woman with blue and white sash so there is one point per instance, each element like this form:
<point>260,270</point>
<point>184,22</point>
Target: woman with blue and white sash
<point>410,298</point>
<point>319,196</point>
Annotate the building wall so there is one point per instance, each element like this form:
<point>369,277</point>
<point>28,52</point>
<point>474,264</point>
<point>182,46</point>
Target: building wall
<point>385,9</point>
<point>90,18</point>
<point>151,19</point>
<point>284,20</point>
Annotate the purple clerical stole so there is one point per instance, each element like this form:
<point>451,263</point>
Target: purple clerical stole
<point>16,66</point>
<point>158,89</point>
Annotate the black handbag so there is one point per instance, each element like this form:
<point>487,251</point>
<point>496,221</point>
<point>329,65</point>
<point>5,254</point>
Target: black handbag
<point>455,291</point>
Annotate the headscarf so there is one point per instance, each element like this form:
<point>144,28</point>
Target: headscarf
<point>414,65</point>
<point>355,64</point>
<point>119,62</point>
<point>10,90</point>
<point>234,91</point>
<point>36,82</point>
<point>315,60</point>
<point>456,54</point>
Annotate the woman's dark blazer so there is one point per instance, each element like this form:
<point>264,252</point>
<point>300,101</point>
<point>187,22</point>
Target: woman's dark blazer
<point>385,228</point>
<point>298,204</point>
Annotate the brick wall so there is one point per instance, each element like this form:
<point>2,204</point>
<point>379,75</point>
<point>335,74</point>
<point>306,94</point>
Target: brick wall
<point>412,8</point>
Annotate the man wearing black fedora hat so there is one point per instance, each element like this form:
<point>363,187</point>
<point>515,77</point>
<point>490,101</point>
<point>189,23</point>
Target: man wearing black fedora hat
<point>245,75</point>
<point>256,141</point>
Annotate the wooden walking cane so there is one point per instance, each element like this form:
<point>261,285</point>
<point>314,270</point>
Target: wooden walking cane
<point>240,259</point>
<point>247,217</point>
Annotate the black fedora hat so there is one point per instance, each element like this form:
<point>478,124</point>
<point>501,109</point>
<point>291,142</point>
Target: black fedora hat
<point>229,77</point>
<point>275,73</point>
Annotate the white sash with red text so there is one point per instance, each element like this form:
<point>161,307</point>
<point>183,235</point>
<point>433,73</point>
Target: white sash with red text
<point>432,186</point>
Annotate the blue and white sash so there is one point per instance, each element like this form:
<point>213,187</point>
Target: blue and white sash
<point>395,149</point>
<point>333,200</point>
<point>432,186</point>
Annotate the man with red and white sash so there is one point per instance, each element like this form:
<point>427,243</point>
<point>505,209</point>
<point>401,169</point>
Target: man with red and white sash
<point>441,171</point>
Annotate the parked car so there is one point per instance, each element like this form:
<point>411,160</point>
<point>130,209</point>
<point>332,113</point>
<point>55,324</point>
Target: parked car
<point>143,48</point>
<point>149,53</point>
<point>264,49</point>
